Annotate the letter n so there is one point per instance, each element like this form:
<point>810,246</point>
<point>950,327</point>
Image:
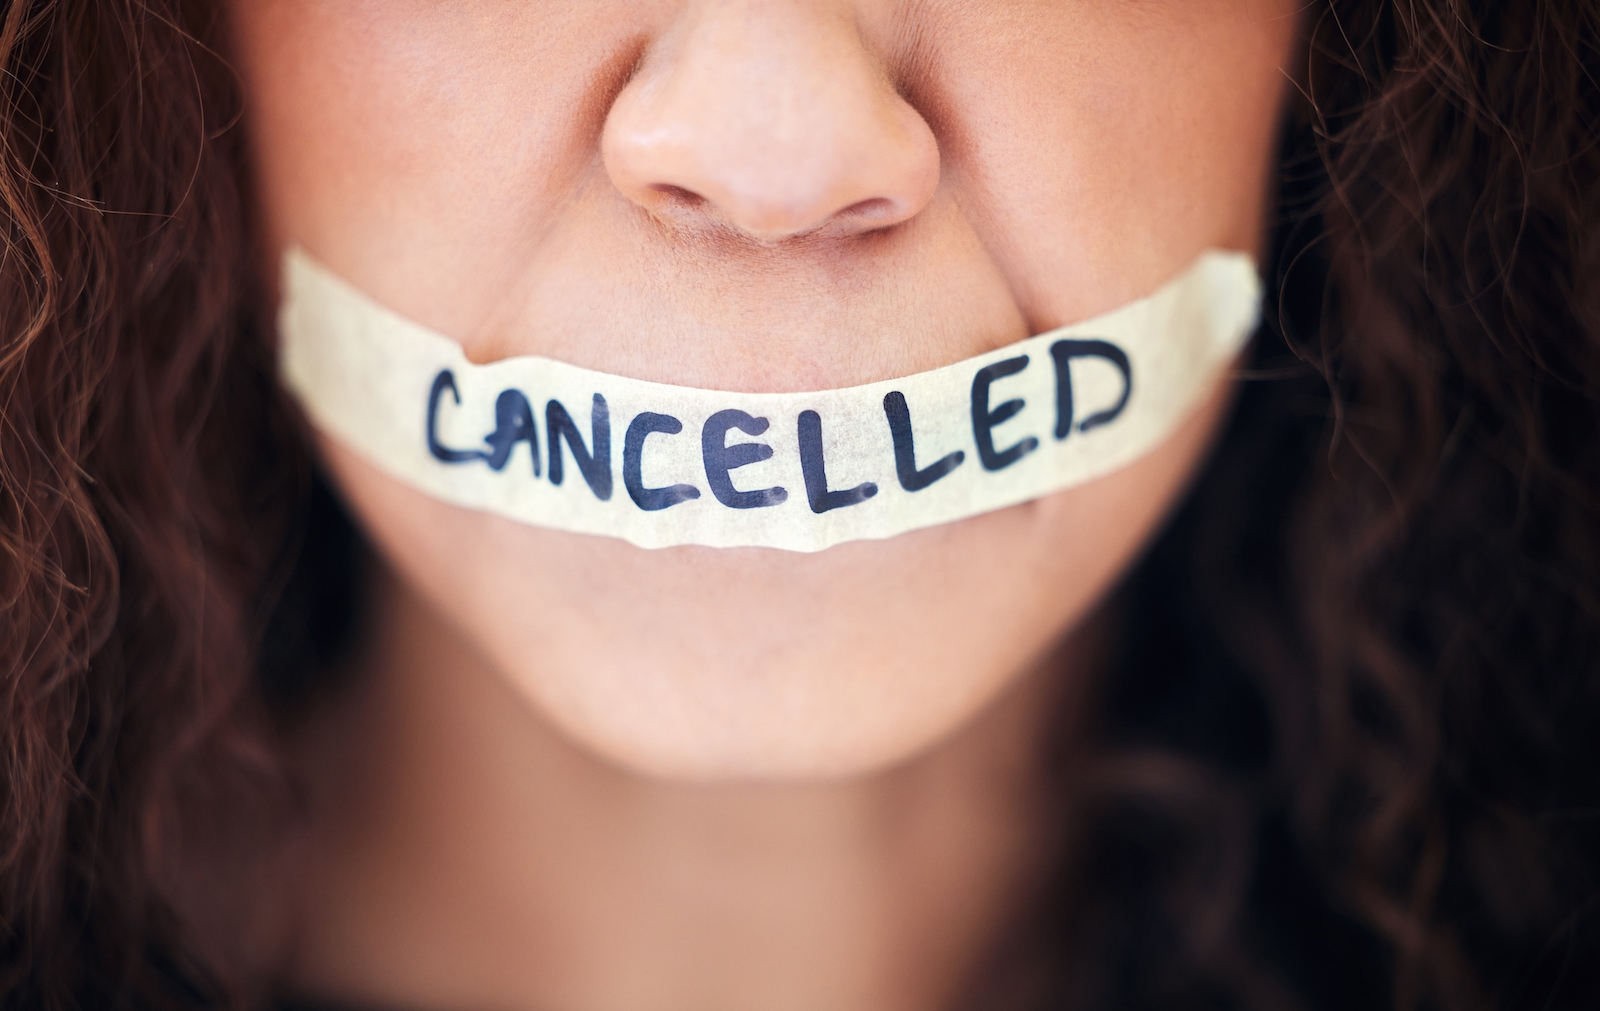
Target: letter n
<point>594,466</point>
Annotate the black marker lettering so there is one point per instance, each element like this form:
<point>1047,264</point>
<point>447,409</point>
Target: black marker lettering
<point>650,499</point>
<point>984,420</point>
<point>1063,351</point>
<point>446,380</point>
<point>513,423</point>
<point>721,458</point>
<point>596,466</point>
<point>905,450</point>
<point>816,473</point>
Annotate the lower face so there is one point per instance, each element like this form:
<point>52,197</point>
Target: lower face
<point>764,195</point>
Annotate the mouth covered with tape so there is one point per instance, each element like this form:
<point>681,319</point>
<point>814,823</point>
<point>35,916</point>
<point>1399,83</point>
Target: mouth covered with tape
<point>554,445</point>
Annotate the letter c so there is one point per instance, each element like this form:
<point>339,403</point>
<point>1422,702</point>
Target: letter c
<point>446,380</point>
<point>650,499</point>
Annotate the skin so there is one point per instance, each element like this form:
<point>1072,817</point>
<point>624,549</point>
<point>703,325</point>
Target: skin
<point>576,774</point>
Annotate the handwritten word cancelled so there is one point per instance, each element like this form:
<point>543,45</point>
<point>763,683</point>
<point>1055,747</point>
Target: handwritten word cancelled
<point>516,423</point>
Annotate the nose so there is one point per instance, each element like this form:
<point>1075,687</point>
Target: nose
<point>770,117</point>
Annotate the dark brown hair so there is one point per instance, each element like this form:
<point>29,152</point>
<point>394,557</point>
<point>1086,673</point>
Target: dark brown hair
<point>146,481</point>
<point>1353,757</point>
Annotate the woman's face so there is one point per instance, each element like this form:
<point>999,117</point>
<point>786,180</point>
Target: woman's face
<point>764,195</point>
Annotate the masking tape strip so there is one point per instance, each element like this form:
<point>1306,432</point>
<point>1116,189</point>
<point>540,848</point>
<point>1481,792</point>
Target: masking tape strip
<point>554,445</point>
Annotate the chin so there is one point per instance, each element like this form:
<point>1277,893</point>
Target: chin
<point>752,664</point>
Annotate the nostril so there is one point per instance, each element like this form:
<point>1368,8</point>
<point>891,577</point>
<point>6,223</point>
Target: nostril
<point>867,211</point>
<point>677,196</point>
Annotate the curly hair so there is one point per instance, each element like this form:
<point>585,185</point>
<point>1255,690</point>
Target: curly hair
<point>1350,757</point>
<point>148,479</point>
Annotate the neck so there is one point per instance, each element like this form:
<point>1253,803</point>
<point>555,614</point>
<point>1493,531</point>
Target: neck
<point>469,856</point>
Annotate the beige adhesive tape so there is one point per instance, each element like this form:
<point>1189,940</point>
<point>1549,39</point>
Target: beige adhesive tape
<point>558,446</point>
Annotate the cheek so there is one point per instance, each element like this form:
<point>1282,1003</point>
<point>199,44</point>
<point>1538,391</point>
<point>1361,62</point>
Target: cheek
<point>700,663</point>
<point>1139,132</point>
<point>422,139</point>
